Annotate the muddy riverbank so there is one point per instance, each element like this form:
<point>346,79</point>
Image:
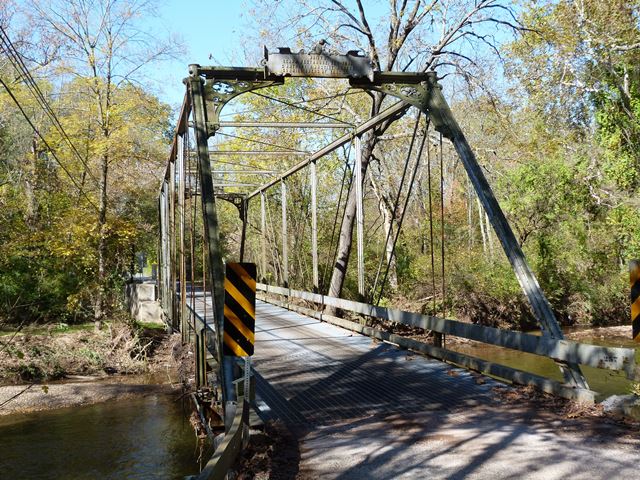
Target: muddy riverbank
<point>39,397</point>
<point>163,370</point>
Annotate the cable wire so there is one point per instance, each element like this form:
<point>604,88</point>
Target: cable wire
<point>335,220</point>
<point>18,63</point>
<point>404,211</point>
<point>268,144</point>
<point>292,103</point>
<point>37,132</point>
<point>304,109</point>
<point>396,203</point>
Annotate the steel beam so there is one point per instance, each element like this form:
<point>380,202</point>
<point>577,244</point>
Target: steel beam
<point>244,172</point>
<point>314,226</point>
<point>395,110</point>
<point>285,239</point>
<point>244,208</point>
<point>180,164</point>
<point>172,242</point>
<point>164,247</point>
<point>234,185</point>
<point>263,235</point>
<point>210,218</point>
<point>281,153</point>
<point>445,123</point>
<point>284,125</point>
<point>359,216</point>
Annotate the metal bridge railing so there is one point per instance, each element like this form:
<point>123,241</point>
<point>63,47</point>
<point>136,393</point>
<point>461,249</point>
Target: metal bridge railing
<point>228,451</point>
<point>619,359</point>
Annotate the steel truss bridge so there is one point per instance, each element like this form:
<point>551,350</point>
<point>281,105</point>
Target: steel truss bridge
<point>312,367</point>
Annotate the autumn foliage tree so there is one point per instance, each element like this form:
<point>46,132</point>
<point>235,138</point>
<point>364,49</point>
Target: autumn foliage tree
<point>92,203</point>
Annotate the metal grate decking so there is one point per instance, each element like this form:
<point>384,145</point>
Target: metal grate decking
<point>312,373</point>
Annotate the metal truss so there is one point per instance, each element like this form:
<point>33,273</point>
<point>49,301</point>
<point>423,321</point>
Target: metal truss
<point>210,89</point>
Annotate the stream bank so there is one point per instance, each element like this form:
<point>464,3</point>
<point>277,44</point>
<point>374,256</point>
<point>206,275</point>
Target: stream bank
<point>46,371</point>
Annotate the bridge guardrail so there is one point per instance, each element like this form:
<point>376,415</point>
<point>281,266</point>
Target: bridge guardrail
<point>237,437</point>
<point>228,451</point>
<point>611,358</point>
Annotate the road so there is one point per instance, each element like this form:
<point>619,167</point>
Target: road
<point>367,410</point>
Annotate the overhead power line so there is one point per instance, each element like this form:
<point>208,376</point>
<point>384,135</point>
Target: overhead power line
<point>37,132</point>
<point>18,63</point>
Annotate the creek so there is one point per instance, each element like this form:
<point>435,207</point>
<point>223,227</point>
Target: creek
<point>604,382</point>
<point>135,439</point>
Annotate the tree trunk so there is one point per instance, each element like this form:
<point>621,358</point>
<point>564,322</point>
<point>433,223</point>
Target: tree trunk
<point>388,223</point>
<point>346,229</point>
<point>98,312</point>
<point>30,180</point>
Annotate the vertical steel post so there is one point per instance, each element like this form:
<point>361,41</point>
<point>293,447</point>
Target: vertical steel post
<point>263,236</point>
<point>161,255</point>
<point>172,241</point>
<point>180,160</point>
<point>359,216</point>
<point>210,219</point>
<point>158,277</point>
<point>285,239</point>
<point>314,227</point>
<point>244,209</point>
<point>166,268</point>
<point>167,253</point>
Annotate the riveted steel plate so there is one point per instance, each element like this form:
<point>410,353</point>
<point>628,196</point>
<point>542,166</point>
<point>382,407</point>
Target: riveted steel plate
<point>319,65</point>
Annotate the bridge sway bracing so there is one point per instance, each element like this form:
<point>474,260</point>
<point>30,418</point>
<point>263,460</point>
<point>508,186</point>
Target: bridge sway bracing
<point>184,230</point>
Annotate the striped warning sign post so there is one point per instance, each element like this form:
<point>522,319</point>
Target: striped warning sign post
<point>634,275</point>
<point>239,309</point>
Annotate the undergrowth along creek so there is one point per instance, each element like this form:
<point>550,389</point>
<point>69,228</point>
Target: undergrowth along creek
<point>55,351</point>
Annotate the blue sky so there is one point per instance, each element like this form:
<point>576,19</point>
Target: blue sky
<point>205,28</point>
<point>213,32</point>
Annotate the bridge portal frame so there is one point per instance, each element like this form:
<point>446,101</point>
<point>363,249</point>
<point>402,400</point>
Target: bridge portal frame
<point>209,89</point>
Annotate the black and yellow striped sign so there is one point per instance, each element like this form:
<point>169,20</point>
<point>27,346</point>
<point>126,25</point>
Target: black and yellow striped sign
<point>239,309</point>
<point>634,274</point>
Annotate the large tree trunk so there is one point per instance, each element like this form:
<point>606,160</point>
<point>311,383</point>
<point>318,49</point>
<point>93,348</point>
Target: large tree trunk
<point>346,229</point>
<point>98,312</point>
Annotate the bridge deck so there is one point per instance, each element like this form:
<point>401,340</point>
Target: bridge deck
<point>367,410</point>
<point>312,373</point>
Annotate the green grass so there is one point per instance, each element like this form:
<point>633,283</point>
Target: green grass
<point>150,325</point>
